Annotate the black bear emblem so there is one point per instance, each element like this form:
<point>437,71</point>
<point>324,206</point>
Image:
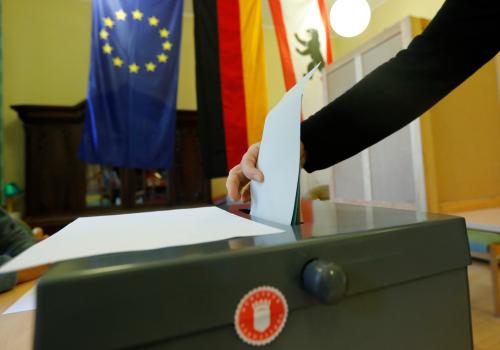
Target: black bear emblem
<point>312,48</point>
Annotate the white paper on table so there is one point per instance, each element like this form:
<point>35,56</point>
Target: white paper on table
<point>133,232</point>
<point>25,303</point>
<point>279,159</point>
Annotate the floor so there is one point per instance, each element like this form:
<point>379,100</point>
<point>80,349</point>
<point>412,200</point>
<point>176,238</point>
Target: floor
<point>485,327</point>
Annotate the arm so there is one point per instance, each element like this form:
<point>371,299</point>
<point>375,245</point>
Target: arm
<point>461,38</point>
<point>14,238</point>
<point>7,280</point>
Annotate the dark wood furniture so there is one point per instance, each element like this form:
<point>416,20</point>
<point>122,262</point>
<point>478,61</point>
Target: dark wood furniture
<point>55,189</point>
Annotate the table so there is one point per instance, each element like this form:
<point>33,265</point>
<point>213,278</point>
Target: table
<point>16,330</point>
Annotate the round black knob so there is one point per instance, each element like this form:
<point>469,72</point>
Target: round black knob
<point>324,280</point>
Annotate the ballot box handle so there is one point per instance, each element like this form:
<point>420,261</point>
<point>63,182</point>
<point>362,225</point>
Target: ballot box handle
<point>324,280</point>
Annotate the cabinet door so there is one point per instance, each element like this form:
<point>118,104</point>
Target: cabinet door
<point>347,181</point>
<point>391,163</point>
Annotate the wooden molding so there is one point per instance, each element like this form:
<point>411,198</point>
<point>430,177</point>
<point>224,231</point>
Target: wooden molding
<point>471,204</point>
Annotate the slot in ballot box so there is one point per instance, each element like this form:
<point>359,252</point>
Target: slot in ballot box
<point>348,277</point>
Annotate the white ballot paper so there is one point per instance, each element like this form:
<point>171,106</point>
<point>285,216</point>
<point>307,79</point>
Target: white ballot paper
<point>276,198</point>
<point>25,303</point>
<point>132,232</point>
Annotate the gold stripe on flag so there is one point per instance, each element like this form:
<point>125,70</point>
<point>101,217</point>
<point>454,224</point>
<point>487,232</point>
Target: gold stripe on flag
<point>254,68</point>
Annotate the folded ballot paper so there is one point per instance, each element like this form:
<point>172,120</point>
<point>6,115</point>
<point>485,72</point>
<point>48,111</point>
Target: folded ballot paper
<point>277,199</point>
<point>133,232</point>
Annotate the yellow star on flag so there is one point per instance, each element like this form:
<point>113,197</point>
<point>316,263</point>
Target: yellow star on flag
<point>137,15</point>
<point>121,15</point>
<point>167,45</point>
<point>164,33</point>
<point>162,58</point>
<point>108,22</point>
<point>150,67</point>
<point>117,61</point>
<point>153,21</point>
<point>134,68</point>
<point>107,49</point>
<point>104,34</point>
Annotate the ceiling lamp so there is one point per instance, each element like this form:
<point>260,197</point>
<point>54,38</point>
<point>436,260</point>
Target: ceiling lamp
<point>349,18</point>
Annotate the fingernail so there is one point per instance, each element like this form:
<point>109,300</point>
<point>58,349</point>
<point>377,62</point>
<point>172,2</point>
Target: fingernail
<point>258,177</point>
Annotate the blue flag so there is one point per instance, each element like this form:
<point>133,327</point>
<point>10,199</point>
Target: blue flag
<point>132,92</point>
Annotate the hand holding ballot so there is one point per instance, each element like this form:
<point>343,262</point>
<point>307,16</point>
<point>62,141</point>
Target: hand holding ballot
<point>274,164</point>
<point>239,177</point>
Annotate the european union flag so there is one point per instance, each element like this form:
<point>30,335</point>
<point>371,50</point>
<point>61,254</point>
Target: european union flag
<point>132,92</point>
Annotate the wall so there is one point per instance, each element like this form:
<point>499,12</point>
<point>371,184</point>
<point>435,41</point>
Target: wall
<point>46,53</point>
<point>466,141</point>
<point>46,50</point>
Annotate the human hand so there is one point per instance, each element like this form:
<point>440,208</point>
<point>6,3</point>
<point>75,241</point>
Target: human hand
<point>39,234</point>
<point>238,180</point>
<point>31,273</point>
<point>34,272</point>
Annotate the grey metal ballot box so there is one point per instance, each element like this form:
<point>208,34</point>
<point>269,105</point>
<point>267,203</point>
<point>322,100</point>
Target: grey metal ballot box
<point>352,277</point>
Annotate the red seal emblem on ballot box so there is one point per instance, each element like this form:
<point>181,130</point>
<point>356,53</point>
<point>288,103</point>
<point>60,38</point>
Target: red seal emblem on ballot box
<point>261,315</point>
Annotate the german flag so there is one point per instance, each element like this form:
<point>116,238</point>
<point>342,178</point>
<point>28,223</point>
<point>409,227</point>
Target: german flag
<point>230,77</point>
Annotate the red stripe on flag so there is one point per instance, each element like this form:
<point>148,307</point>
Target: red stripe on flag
<point>324,17</point>
<point>231,75</point>
<point>286,56</point>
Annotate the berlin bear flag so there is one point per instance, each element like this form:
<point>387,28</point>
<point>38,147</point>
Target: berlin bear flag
<point>304,41</point>
<point>132,90</point>
<point>303,35</point>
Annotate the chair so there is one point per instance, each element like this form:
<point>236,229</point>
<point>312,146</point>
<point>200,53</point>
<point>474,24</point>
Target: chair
<point>486,245</point>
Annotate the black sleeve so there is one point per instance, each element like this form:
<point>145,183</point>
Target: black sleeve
<point>14,238</point>
<point>7,280</point>
<point>462,37</point>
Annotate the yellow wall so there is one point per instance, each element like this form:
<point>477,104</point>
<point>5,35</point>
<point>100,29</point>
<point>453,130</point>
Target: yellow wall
<point>45,50</point>
<point>465,130</point>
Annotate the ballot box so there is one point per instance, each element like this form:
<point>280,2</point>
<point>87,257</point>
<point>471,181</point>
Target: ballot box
<point>346,277</point>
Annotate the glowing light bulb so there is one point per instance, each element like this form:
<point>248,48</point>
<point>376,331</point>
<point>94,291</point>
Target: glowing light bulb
<point>349,18</point>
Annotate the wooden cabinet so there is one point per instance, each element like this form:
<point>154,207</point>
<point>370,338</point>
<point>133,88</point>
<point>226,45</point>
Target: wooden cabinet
<point>59,186</point>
